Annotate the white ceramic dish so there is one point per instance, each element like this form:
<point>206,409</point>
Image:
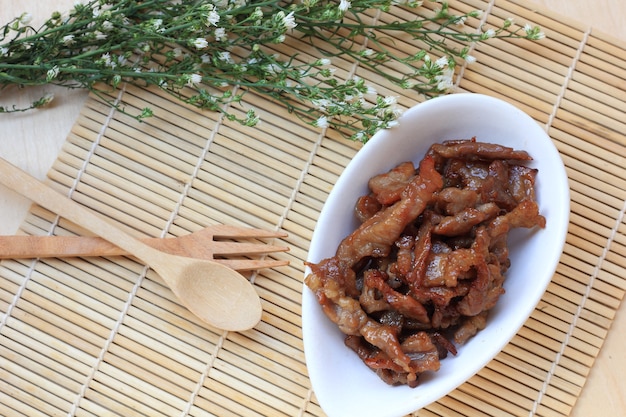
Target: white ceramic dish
<point>343,385</point>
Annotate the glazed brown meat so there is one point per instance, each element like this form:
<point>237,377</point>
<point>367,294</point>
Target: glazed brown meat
<point>428,262</point>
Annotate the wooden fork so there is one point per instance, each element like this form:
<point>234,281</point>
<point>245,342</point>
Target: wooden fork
<point>200,244</point>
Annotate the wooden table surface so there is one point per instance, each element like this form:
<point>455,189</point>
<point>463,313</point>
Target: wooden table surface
<point>32,141</point>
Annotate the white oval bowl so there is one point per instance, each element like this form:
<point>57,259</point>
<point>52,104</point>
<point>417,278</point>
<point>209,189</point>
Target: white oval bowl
<point>343,384</point>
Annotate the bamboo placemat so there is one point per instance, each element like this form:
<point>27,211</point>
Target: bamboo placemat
<point>94,337</point>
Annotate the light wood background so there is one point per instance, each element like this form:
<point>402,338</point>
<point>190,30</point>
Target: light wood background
<point>32,141</point>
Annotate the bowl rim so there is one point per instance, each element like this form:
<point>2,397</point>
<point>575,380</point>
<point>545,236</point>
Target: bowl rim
<point>315,254</point>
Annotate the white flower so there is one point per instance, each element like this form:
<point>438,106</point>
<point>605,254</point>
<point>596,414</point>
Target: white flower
<point>321,104</point>
<point>194,79</point>
<point>52,73</point>
<point>224,56</point>
<point>323,62</point>
<point>289,21</point>
<point>408,84</point>
<point>390,100</point>
<point>106,59</point>
<point>100,36</point>
<point>220,34</point>
<point>322,122</point>
<point>107,26</point>
<point>533,32</point>
<point>26,18</point>
<point>444,80</point>
<point>212,18</point>
<point>46,99</point>
<point>344,5</point>
<point>257,14</point>
<point>200,43</point>
<point>4,51</point>
<point>442,62</point>
<point>68,40</point>
<point>470,59</point>
<point>489,33</point>
<point>273,69</point>
<point>157,25</point>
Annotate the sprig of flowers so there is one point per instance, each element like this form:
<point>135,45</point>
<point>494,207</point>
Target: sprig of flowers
<point>211,53</point>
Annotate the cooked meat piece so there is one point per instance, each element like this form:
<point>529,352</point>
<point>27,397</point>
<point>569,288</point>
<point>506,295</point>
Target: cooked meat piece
<point>469,327</point>
<point>471,150</point>
<point>522,183</point>
<point>387,188</point>
<point>421,251</point>
<point>377,234</point>
<point>405,255</point>
<point>463,221</point>
<point>445,345</point>
<point>366,207</point>
<point>372,300</point>
<point>404,304</point>
<point>379,362</point>
<point>495,188</point>
<point>328,283</point>
<point>526,215</point>
<point>467,175</point>
<point>476,299</point>
<point>385,338</point>
<point>422,351</point>
<point>452,200</point>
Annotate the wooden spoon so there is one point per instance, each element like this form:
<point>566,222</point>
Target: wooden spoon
<point>215,293</point>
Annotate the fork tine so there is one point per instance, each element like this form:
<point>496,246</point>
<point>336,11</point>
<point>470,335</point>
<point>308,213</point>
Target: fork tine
<point>251,264</point>
<point>243,248</point>
<point>228,231</point>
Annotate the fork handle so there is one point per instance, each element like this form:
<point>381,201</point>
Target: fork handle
<point>28,247</point>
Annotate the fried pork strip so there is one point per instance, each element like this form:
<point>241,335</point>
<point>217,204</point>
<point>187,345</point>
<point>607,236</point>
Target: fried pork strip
<point>429,256</point>
<point>378,233</point>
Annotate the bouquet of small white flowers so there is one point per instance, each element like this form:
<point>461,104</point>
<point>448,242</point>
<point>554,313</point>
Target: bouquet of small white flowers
<point>211,53</point>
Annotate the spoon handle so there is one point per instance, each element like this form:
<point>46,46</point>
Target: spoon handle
<point>24,247</point>
<point>33,189</point>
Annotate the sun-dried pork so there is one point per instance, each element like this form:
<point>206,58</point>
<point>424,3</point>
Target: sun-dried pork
<point>470,150</point>
<point>376,236</point>
<point>387,188</point>
<point>428,261</point>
